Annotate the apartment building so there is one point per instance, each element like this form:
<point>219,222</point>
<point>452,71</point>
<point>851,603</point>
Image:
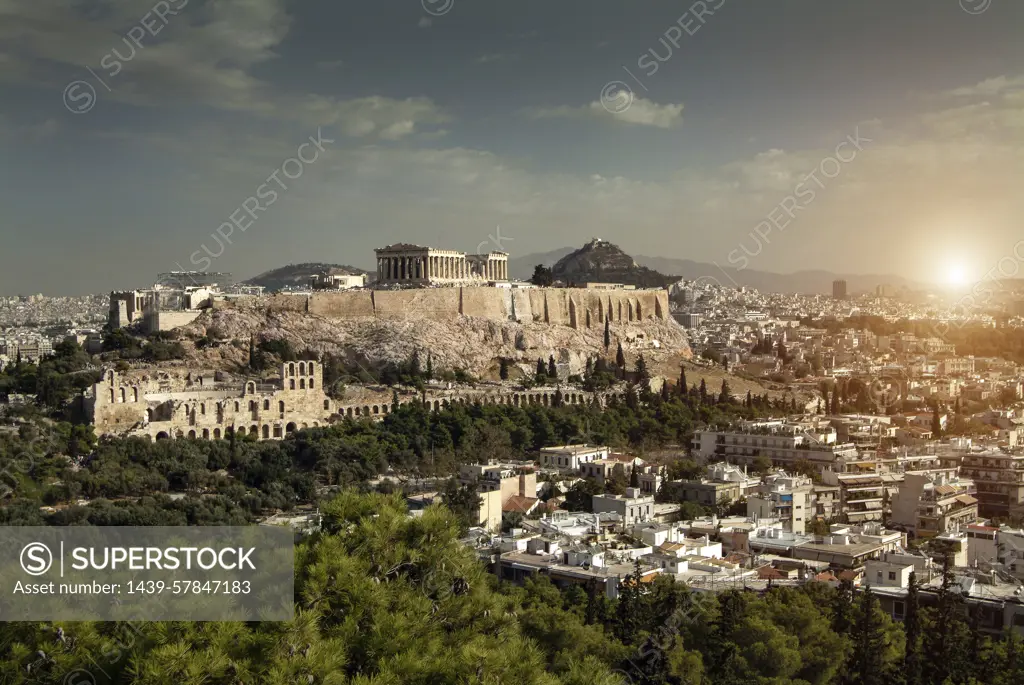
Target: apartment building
<point>790,499</point>
<point>571,457</point>
<point>783,442</point>
<point>928,506</point>
<point>999,478</point>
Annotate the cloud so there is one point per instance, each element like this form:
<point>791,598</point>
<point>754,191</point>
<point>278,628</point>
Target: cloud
<point>641,112</point>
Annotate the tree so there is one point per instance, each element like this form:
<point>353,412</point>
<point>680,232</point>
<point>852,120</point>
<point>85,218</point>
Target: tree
<point>682,379</point>
<point>620,358</point>
<point>835,401</point>
<point>703,391</point>
<point>463,501</point>
<point>912,629</point>
<point>430,367</point>
<point>542,276</point>
<point>542,371</point>
<point>944,648</point>
<point>749,404</point>
<point>502,369</point>
<point>936,423</point>
<point>414,364</point>
<point>665,396</point>
<point>641,370</point>
<point>607,335</point>
<point>552,369</point>
<point>634,477</point>
<point>867,664</point>
<point>725,395</point>
<point>762,464</point>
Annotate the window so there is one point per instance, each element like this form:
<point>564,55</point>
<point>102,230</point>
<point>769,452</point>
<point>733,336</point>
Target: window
<point>892,575</point>
<point>899,609</point>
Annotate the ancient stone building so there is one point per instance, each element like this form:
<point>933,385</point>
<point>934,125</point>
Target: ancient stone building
<point>415,265</point>
<point>162,406</point>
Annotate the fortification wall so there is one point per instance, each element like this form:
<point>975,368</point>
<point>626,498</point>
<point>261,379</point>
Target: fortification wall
<point>356,304</point>
<point>439,304</point>
<point>576,307</point>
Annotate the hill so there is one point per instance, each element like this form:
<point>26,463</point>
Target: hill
<point>604,262</point>
<point>815,281</point>
<point>297,275</point>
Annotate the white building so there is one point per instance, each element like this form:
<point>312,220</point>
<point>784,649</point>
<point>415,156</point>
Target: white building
<point>571,457</point>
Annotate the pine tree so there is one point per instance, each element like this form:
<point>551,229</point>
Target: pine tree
<point>944,646</point>
<point>607,335</point>
<point>502,368</point>
<point>552,369</point>
<point>912,629</point>
<point>620,358</point>
<point>842,608</point>
<point>725,394</point>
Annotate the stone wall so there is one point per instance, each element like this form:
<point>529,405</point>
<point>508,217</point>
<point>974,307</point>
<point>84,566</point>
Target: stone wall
<point>575,307</point>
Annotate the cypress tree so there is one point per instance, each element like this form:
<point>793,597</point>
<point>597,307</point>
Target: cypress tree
<point>682,379</point>
<point>430,367</point>
<point>835,401</point>
<point>552,369</point>
<point>542,371</point>
<point>866,663</point>
<point>414,364</point>
<point>590,368</point>
<point>607,335</point>
<point>750,401</point>
<point>936,423</point>
<point>620,358</point>
<point>502,368</point>
<point>664,392</point>
<point>724,395</point>
<point>641,369</point>
<point>912,629</point>
<point>703,390</point>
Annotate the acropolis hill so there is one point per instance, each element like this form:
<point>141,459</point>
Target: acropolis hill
<point>469,327</point>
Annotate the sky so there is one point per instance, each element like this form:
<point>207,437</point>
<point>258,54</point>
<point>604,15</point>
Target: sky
<point>859,136</point>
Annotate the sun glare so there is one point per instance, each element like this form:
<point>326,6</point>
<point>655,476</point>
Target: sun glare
<point>956,275</point>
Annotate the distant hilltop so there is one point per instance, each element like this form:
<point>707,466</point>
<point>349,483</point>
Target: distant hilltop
<point>299,275</point>
<point>600,261</point>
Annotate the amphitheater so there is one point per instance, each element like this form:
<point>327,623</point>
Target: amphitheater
<point>201,406</point>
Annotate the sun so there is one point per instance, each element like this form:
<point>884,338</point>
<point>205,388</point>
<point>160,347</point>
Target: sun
<point>956,275</point>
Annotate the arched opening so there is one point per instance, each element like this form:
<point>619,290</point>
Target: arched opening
<point>252,405</point>
<point>290,428</point>
<point>359,411</point>
<point>236,406</point>
<point>349,411</point>
<point>302,368</point>
<point>250,388</point>
<point>291,369</point>
<point>546,399</point>
<point>254,431</point>
<point>291,383</point>
<point>366,411</point>
<point>437,406</point>
<point>112,396</point>
<point>277,431</point>
<point>266,432</point>
<point>302,384</point>
<point>162,435</point>
<point>376,409</point>
<point>216,433</point>
<point>311,381</point>
<point>180,435</point>
<point>384,408</point>
<point>280,406</point>
<point>206,434</point>
<point>192,435</point>
<point>110,377</point>
<point>327,405</point>
<point>266,404</point>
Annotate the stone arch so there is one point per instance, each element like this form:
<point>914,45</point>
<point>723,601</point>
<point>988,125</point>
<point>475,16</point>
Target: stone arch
<point>266,404</point>
<point>302,384</point>
<point>620,312</point>
<point>546,399</point>
<point>266,432</point>
<point>366,410</point>
<point>588,318</point>
<point>277,431</point>
<point>252,405</point>
<point>236,406</point>
<point>327,405</point>
<point>291,383</point>
<point>124,396</point>
<point>304,426</point>
<point>311,382</point>
<point>280,406</point>
<point>202,408</point>
<point>180,434</point>
<point>437,406</point>
<point>515,400</point>
<point>216,433</point>
<point>629,309</point>
<point>250,388</point>
<point>149,415</point>
<point>302,368</point>
<point>291,368</point>
<point>290,428</point>
<point>376,409</point>
<point>162,435</point>
<point>384,408</point>
<point>191,435</point>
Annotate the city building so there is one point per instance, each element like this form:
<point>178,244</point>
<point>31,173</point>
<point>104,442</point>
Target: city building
<point>571,457</point>
<point>789,499</point>
<point>998,476</point>
<point>839,289</point>
<point>405,264</point>
<point>925,507</point>
<point>784,443</point>
<point>633,507</point>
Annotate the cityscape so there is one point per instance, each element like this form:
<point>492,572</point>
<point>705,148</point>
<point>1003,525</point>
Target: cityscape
<point>733,391</point>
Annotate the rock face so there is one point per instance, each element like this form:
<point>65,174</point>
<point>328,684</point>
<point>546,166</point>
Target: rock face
<point>599,261</point>
<point>475,344</point>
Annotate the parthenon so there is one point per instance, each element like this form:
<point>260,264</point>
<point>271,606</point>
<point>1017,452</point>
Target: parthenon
<point>416,265</point>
